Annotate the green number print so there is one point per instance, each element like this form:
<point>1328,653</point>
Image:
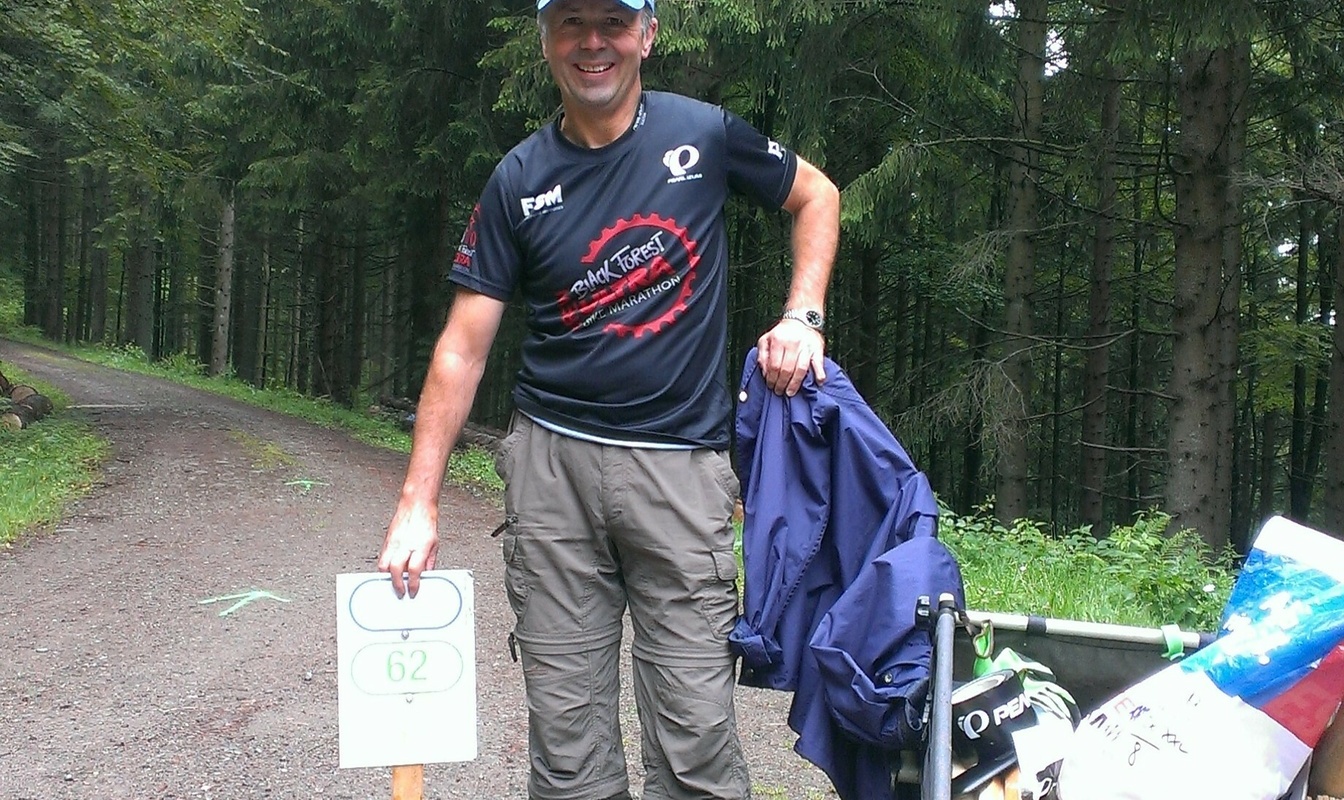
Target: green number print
<point>401,665</point>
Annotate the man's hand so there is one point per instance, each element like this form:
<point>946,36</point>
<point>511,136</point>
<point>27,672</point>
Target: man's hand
<point>411,545</point>
<point>786,352</point>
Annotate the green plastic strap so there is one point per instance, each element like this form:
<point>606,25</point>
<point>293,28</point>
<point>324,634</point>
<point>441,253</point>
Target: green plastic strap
<point>983,644</point>
<point>1175,644</point>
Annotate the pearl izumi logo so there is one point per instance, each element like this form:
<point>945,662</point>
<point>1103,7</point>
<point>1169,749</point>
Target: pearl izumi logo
<point>978,720</point>
<point>553,200</point>
<point>679,161</point>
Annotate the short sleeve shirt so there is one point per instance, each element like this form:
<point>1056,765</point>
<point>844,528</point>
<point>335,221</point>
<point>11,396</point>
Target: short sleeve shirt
<point>619,255</point>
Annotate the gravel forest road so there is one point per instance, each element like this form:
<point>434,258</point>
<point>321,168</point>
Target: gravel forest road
<point>118,681</point>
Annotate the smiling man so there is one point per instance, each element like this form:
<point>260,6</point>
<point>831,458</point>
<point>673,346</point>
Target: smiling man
<point>607,224</point>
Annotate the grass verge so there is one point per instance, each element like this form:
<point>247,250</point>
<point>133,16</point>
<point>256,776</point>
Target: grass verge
<point>1139,575</point>
<point>44,466</point>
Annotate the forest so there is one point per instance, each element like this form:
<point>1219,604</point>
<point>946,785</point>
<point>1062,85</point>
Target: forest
<point>1089,255</point>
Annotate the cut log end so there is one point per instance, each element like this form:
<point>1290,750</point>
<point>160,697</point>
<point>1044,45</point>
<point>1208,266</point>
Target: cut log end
<point>39,403</point>
<point>23,413</point>
<point>16,418</point>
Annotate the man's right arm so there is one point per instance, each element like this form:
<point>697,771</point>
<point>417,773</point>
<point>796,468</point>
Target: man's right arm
<point>455,370</point>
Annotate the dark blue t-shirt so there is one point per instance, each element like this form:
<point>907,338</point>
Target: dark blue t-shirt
<point>620,256</point>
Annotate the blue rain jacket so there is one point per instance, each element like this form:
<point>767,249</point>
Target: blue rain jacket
<point>832,503</point>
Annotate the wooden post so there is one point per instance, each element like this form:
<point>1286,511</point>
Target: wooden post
<point>408,782</point>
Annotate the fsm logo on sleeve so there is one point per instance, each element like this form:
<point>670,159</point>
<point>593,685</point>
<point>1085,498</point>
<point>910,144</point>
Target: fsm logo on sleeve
<point>551,200</point>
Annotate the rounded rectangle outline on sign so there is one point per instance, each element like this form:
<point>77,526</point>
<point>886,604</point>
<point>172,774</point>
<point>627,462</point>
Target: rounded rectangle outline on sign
<point>437,595</point>
<point>369,661</point>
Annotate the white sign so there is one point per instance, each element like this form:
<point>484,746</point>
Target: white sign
<point>406,678</point>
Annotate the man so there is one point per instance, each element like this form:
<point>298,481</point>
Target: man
<point>609,223</point>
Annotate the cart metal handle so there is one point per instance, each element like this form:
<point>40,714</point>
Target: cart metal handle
<point>937,778</point>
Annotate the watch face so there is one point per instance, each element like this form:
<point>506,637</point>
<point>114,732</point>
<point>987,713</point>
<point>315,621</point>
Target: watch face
<point>808,316</point>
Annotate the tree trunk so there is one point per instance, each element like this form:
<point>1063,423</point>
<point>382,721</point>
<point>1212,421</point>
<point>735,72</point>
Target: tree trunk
<point>867,339</point>
<point>331,278</point>
<point>301,358</point>
<point>177,318</point>
<point>78,329</point>
<point>243,325</point>
<point>1096,370</point>
<point>1207,283</point>
<point>219,330</point>
<point>1020,271</point>
<point>1299,484</point>
<point>1332,490</point>
<point>53,247</point>
<point>1269,444</point>
<point>264,316</point>
<point>358,316</point>
<point>972,451</point>
<point>32,251</point>
<point>98,268</point>
<point>1325,317</point>
<point>1245,463</point>
<point>138,325</point>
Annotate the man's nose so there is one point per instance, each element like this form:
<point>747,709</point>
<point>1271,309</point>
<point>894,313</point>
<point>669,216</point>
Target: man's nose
<point>592,38</point>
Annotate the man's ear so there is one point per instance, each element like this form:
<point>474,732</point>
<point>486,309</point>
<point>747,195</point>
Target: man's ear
<point>648,39</point>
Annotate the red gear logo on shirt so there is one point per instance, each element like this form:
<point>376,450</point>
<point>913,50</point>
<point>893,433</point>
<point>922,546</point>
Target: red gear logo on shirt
<point>641,274</point>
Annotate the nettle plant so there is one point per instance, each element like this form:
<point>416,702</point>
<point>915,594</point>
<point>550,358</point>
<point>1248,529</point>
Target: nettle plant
<point>1140,574</point>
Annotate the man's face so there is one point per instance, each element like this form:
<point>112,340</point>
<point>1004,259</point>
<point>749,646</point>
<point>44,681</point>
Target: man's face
<point>594,49</point>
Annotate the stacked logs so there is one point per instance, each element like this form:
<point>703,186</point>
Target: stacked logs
<point>21,405</point>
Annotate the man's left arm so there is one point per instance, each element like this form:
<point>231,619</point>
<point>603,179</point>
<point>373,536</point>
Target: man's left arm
<point>788,350</point>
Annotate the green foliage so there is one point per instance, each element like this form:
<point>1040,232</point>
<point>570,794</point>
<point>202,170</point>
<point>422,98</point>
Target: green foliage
<point>101,76</point>
<point>473,468</point>
<point>1275,348</point>
<point>11,301</point>
<point>1139,575</point>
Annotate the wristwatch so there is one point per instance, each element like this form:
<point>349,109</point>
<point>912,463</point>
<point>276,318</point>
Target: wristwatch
<point>810,317</point>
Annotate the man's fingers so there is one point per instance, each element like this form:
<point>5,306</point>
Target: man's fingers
<point>785,359</point>
<point>418,562</point>
<point>394,570</point>
<point>398,581</point>
<point>799,372</point>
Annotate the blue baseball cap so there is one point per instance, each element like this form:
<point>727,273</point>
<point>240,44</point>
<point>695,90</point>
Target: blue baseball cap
<point>634,5</point>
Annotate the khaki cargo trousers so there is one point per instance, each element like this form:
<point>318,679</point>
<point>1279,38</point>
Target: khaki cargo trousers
<point>594,530</point>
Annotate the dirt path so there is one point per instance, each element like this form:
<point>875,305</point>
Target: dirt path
<point>117,682</point>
